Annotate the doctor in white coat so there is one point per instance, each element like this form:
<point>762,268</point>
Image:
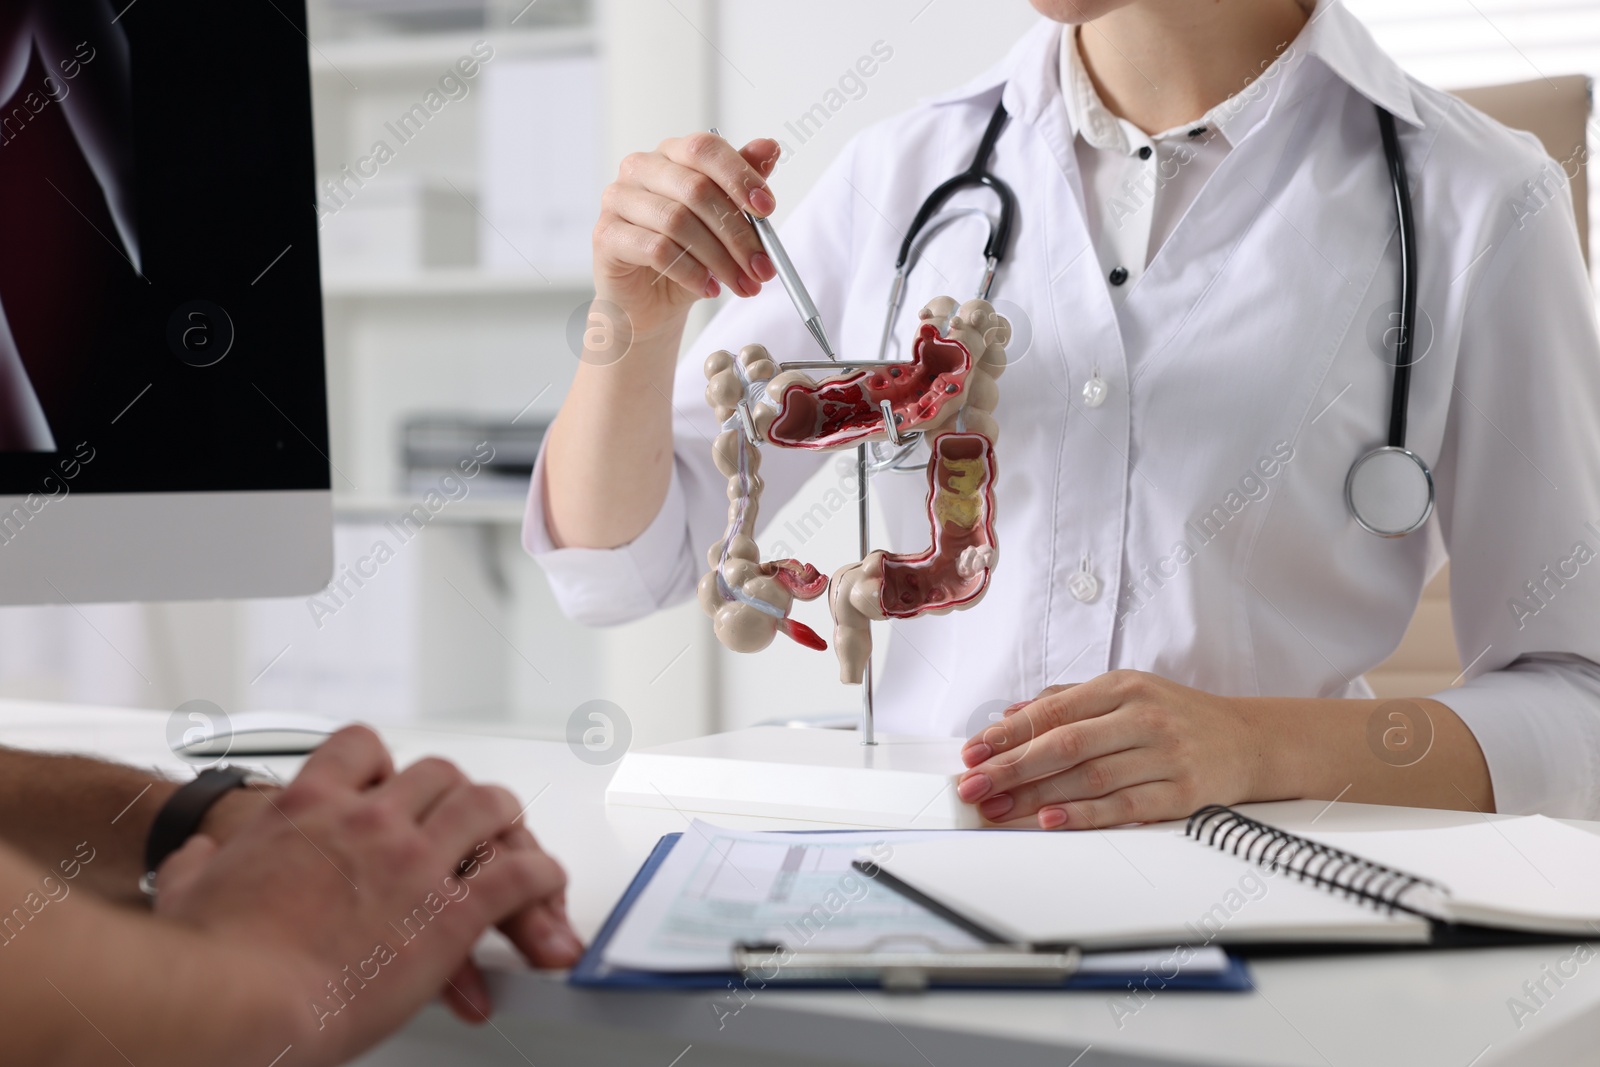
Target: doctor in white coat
<point>1206,248</point>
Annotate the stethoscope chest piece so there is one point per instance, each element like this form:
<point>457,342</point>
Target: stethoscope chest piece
<point>1390,491</point>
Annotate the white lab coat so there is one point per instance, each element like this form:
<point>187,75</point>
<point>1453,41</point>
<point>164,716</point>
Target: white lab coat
<point>1245,373</point>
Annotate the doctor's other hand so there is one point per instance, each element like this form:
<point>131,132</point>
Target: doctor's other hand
<point>1125,747</point>
<point>361,893</point>
<point>671,229</point>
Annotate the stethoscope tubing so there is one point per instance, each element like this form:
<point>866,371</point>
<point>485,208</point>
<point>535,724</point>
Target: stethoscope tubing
<point>978,175</point>
<point>975,176</point>
<point>1400,398</point>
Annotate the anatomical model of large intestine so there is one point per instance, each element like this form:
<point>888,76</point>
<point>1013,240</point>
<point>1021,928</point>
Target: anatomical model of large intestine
<point>946,392</point>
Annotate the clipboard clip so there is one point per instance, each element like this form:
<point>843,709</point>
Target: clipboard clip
<point>913,969</point>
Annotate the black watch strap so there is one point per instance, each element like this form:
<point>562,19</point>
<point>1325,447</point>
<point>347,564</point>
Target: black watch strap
<point>181,815</point>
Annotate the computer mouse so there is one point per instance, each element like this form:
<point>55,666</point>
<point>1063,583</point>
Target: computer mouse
<point>259,733</point>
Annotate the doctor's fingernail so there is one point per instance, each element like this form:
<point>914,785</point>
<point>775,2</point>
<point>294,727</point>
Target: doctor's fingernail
<point>763,267</point>
<point>976,754</point>
<point>1013,709</point>
<point>762,203</point>
<point>996,806</point>
<point>713,289</point>
<point>747,285</point>
<point>973,788</point>
<point>1052,818</point>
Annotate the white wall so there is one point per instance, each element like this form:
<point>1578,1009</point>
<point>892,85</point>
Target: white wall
<point>779,59</point>
<point>669,67</point>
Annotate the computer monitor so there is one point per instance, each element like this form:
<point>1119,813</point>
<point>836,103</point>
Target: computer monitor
<point>163,408</point>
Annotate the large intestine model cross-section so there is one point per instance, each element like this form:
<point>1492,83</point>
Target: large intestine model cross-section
<point>946,392</point>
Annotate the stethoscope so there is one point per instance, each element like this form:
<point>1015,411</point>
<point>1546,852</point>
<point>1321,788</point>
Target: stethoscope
<point>1389,489</point>
<point>924,226</point>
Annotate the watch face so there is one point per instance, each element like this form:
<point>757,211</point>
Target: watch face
<point>183,813</point>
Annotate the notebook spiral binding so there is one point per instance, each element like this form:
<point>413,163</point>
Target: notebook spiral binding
<point>1310,861</point>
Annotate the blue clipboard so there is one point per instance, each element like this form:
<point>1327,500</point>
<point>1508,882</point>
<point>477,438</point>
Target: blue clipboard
<point>592,972</point>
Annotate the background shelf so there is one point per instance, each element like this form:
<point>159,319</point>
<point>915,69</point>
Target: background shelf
<point>472,511</point>
<point>447,283</point>
<point>425,53</point>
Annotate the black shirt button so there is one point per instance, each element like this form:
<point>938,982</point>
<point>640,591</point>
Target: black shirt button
<point>1197,131</point>
<point>1144,153</point>
<point>1119,275</point>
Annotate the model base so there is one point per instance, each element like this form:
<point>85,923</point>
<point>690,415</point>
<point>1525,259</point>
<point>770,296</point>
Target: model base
<point>813,775</point>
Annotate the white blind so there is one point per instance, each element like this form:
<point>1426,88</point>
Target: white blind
<point>1458,44</point>
<point>1454,44</point>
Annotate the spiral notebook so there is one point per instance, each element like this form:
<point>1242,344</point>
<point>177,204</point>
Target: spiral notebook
<point>1230,880</point>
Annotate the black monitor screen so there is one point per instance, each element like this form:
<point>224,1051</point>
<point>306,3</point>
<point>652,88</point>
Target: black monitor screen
<point>160,305</point>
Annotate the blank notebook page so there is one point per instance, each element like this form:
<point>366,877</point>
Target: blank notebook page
<point>1129,887</point>
<point>1531,873</point>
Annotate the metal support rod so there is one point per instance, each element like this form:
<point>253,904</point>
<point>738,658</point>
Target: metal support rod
<point>842,364</point>
<point>868,737</point>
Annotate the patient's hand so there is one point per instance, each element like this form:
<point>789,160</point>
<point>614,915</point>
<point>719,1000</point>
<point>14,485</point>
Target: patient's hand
<point>364,891</point>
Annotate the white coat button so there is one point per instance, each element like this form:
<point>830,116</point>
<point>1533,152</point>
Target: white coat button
<point>1083,585</point>
<point>1095,391</point>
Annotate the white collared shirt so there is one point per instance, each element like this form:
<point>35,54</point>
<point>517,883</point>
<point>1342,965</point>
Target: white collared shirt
<point>1136,187</point>
<point>1193,524</point>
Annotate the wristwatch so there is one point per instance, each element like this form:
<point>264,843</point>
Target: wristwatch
<point>183,812</point>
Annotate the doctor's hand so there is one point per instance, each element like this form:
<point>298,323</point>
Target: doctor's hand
<point>670,228</point>
<point>1125,747</point>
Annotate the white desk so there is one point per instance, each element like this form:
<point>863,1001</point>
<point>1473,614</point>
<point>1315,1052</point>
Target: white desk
<point>1421,1009</point>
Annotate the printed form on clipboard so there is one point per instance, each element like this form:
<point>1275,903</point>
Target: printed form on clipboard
<point>721,887</point>
<point>717,889</point>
